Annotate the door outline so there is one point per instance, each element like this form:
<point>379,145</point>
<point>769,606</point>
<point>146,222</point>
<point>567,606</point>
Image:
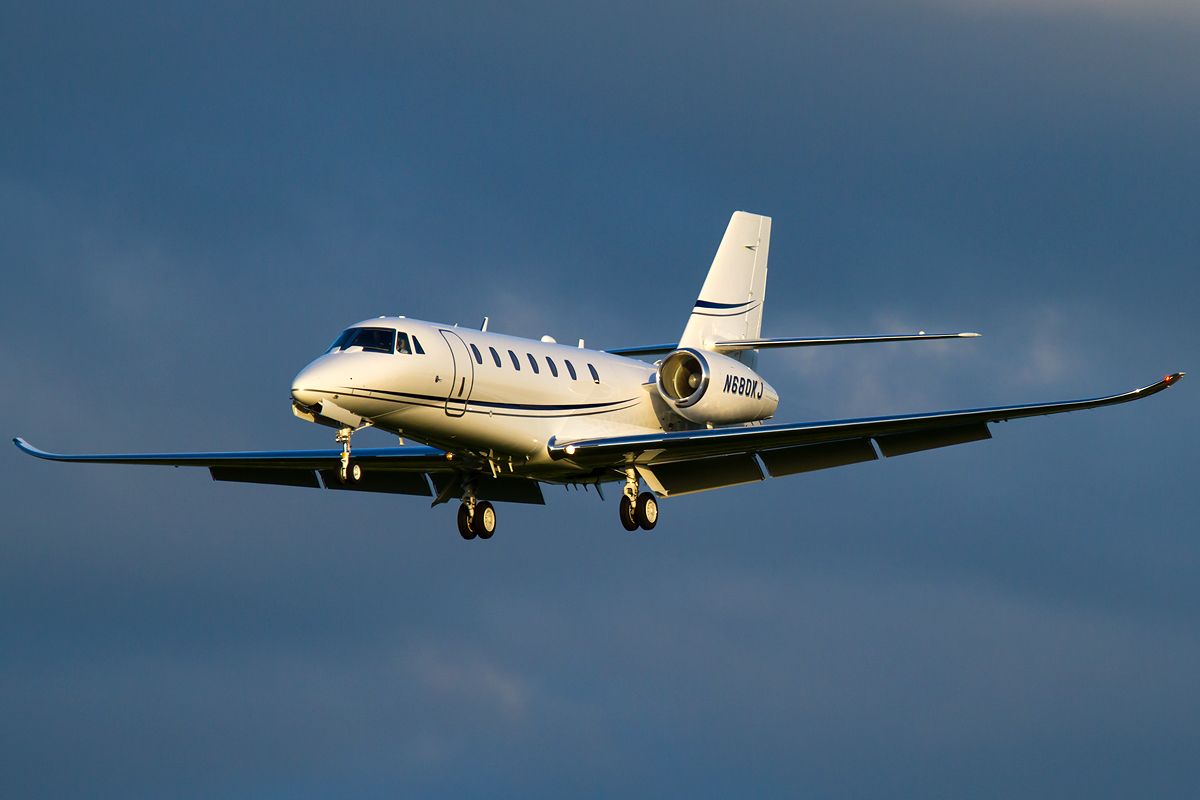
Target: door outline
<point>464,374</point>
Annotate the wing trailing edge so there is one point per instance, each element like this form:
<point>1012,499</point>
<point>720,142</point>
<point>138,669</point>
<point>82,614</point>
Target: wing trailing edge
<point>894,435</point>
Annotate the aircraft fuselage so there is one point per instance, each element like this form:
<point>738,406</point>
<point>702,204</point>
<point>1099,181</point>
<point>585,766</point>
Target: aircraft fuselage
<point>487,392</point>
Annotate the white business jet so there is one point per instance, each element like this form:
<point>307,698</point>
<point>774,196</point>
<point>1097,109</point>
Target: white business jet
<point>498,415</point>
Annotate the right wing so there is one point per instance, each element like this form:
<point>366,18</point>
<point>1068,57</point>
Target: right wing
<point>399,470</point>
<point>706,459</point>
<point>396,470</point>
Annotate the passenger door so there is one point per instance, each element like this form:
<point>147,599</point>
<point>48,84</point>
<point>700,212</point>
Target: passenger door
<point>464,374</point>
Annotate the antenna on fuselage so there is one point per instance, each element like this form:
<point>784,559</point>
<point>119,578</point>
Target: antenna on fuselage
<point>483,327</point>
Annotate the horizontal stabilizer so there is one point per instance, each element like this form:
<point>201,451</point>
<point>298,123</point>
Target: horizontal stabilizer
<point>788,341</point>
<point>766,344</point>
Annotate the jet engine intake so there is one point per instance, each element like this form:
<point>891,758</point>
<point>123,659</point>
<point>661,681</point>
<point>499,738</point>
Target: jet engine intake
<point>708,388</point>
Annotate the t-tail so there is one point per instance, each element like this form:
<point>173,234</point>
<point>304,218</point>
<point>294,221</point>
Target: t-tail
<point>727,317</point>
<point>730,305</point>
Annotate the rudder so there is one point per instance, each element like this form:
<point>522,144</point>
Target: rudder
<point>730,304</point>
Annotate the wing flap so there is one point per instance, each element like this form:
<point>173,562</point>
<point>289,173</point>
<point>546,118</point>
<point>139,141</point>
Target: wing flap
<point>899,444</point>
<point>686,477</point>
<point>305,478</point>
<point>378,480</point>
<point>807,458</point>
<point>500,490</point>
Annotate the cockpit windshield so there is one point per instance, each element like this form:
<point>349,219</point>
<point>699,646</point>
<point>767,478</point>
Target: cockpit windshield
<point>371,340</point>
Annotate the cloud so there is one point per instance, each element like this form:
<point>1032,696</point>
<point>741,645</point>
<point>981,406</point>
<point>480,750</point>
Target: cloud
<point>1121,9</point>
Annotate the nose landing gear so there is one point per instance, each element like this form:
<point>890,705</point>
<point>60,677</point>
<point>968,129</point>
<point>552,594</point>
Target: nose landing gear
<point>350,472</point>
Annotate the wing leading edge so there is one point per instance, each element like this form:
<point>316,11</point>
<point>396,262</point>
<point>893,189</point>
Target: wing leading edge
<point>797,447</point>
<point>418,458</point>
<point>394,470</point>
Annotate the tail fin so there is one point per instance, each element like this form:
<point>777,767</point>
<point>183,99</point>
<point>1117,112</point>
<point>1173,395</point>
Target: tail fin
<point>730,305</point>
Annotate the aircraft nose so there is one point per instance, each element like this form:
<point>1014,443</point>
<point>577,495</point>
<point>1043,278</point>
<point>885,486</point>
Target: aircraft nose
<point>305,397</point>
<point>306,386</point>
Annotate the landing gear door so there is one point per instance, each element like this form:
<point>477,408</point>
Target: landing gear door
<point>464,374</point>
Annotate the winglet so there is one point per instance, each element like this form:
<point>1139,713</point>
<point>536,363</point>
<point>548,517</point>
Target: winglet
<point>26,447</point>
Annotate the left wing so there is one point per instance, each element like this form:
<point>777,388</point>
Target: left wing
<point>687,461</point>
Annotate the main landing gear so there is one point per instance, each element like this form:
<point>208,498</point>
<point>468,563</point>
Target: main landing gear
<point>476,518</point>
<point>637,510</point>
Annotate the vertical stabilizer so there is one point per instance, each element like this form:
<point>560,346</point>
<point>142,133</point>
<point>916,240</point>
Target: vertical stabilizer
<point>730,305</point>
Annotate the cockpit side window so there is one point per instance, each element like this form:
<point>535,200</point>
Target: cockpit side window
<point>341,340</point>
<point>371,340</point>
<point>417,346</point>
<point>402,346</point>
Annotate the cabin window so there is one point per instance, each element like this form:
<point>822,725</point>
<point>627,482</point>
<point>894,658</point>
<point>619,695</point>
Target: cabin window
<point>475,352</point>
<point>533,363</point>
<point>595,375</point>
<point>570,368</point>
<point>417,346</point>
<point>402,346</point>
<point>553,367</point>
<point>516,361</point>
<point>371,340</point>
<point>495,356</point>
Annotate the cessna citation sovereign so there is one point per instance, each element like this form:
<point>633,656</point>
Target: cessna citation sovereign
<point>497,416</point>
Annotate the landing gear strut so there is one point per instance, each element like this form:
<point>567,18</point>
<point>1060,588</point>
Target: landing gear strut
<point>349,472</point>
<point>476,518</point>
<point>637,510</point>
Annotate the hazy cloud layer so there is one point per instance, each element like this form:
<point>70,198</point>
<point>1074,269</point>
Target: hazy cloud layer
<point>196,198</point>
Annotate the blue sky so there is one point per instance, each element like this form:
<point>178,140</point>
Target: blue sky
<point>197,197</point>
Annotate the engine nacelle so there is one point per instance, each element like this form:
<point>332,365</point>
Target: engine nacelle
<point>705,387</point>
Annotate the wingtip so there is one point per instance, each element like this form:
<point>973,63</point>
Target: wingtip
<point>26,447</point>
<point>970,335</point>
<point>1173,378</point>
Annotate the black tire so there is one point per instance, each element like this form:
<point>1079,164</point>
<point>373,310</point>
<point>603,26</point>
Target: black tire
<point>646,511</point>
<point>627,511</point>
<point>484,523</point>
<point>355,473</point>
<point>464,523</point>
